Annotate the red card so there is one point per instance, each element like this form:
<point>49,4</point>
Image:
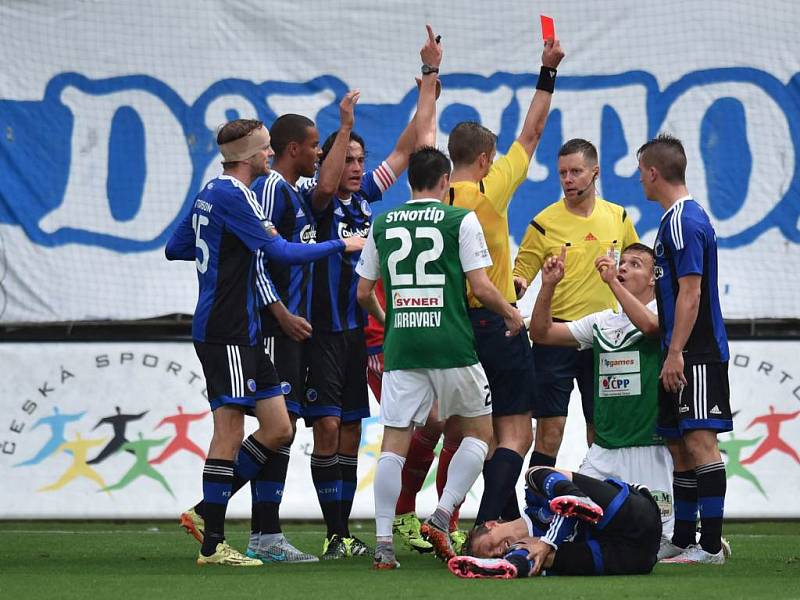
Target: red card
<point>548,27</point>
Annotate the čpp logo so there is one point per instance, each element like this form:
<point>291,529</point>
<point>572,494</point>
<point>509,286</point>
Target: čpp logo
<point>615,383</point>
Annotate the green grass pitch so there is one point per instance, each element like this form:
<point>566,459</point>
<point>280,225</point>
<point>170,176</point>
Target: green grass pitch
<point>98,560</point>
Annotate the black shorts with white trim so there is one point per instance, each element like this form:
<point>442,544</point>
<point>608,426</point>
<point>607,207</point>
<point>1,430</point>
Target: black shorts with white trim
<point>703,403</point>
<point>237,375</point>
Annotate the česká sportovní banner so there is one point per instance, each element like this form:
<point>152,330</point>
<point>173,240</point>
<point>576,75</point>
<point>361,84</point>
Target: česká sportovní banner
<point>120,430</point>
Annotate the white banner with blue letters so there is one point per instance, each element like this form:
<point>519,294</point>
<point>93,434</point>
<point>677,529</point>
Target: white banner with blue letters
<point>107,114</point>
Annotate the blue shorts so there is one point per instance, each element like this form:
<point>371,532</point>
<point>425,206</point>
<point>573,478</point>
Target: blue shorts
<point>556,368</point>
<point>507,362</point>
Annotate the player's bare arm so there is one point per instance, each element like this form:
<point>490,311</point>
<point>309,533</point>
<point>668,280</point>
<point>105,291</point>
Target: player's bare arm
<point>365,294</point>
<point>686,307</point>
<point>331,170</point>
<point>535,120</point>
<point>431,56</point>
<point>295,327</point>
<point>543,329</point>
<point>644,319</point>
<point>491,298</point>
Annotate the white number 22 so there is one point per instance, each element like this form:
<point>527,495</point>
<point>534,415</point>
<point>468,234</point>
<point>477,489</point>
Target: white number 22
<point>423,258</point>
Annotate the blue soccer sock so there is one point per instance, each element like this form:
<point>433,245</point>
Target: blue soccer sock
<point>684,493</point>
<point>711,488</point>
<point>217,483</point>
<point>349,469</point>
<point>268,491</point>
<point>327,478</point>
<point>551,483</point>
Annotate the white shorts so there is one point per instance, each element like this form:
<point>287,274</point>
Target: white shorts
<point>648,465</point>
<point>407,395</point>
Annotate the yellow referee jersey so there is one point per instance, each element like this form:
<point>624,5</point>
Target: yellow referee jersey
<point>581,292</point>
<point>489,199</point>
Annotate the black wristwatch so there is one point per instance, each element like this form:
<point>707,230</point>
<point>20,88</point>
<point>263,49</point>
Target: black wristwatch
<point>427,69</point>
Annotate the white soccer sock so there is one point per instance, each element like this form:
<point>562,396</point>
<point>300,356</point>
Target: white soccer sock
<point>387,490</point>
<point>465,467</point>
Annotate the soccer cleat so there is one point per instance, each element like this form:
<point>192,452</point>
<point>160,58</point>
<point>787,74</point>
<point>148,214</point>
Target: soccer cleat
<point>193,524</point>
<point>726,548</point>
<point>470,567</point>
<point>439,539</point>
<point>334,548</point>
<point>356,547</point>
<point>582,507</point>
<point>385,558</point>
<point>225,555</point>
<point>457,540</point>
<point>695,555</point>
<point>407,527</point>
<point>282,552</point>
<point>668,550</point>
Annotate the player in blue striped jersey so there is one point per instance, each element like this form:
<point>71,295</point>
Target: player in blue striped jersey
<point>291,206</point>
<point>694,403</point>
<point>572,525</point>
<point>222,234</point>
<point>336,393</point>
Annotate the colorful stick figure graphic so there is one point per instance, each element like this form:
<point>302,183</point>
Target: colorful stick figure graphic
<point>181,440</point>
<point>141,468</point>
<point>733,449</point>
<point>79,467</point>
<point>57,423</point>
<point>773,441</point>
<point>119,422</point>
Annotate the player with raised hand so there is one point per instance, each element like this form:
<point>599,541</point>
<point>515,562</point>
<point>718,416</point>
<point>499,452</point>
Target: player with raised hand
<point>485,185</point>
<point>425,252</point>
<point>336,390</point>
<point>223,233</point>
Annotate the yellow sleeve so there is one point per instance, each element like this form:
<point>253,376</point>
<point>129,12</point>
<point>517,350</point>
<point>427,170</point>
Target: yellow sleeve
<point>505,176</point>
<point>629,233</point>
<point>530,255</point>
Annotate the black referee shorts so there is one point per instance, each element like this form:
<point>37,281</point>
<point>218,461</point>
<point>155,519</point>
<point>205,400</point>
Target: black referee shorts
<point>507,362</point>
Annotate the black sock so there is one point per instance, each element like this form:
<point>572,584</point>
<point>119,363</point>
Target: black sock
<point>539,459</point>
<point>500,475</point>
<point>269,484</point>
<point>711,488</point>
<point>348,465</point>
<point>327,478</point>
<point>550,483</point>
<point>217,481</point>
<point>684,492</point>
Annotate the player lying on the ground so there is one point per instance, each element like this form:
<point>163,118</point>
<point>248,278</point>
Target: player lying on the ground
<point>573,525</point>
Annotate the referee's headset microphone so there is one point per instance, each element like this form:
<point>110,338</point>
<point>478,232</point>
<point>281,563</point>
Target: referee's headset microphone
<point>586,189</point>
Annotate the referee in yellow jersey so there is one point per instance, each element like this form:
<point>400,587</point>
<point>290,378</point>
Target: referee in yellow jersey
<point>486,186</point>
<point>589,227</point>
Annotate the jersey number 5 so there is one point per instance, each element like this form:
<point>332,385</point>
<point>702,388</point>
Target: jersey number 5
<point>423,258</point>
<point>197,222</point>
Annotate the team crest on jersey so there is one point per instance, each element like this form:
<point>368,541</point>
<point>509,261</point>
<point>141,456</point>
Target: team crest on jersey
<point>658,249</point>
<point>251,385</point>
<point>311,395</point>
<point>286,387</point>
<point>658,272</point>
<point>210,185</point>
<point>366,208</point>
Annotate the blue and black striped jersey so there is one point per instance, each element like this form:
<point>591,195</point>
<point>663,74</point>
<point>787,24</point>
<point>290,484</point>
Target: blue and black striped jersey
<point>289,208</point>
<point>222,233</point>
<point>334,305</point>
<point>686,244</point>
